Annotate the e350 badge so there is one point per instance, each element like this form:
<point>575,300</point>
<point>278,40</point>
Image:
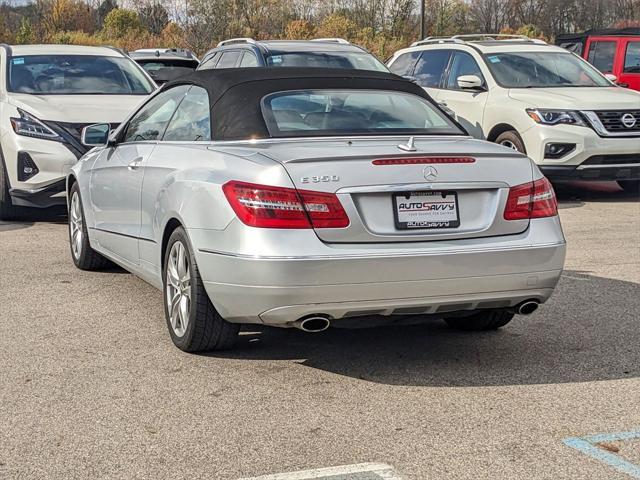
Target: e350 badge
<point>320,179</point>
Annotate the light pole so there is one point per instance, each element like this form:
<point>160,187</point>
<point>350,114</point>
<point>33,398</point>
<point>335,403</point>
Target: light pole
<point>421,19</point>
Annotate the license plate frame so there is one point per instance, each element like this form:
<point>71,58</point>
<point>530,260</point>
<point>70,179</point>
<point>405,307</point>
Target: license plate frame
<point>443,197</point>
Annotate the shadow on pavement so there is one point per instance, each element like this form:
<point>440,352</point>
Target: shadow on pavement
<point>29,216</point>
<point>588,331</point>
<point>575,194</point>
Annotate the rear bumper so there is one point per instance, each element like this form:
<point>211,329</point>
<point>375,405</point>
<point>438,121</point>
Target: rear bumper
<point>282,305</point>
<point>492,273</point>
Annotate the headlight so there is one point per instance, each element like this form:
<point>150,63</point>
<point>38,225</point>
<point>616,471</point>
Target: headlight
<point>30,126</point>
<point>555,117</point>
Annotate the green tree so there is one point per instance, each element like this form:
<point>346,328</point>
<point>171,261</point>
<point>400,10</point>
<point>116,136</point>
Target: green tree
<point>106,6</point>
<point>121,22</point>
<point>335,25</point>
<point>300,30</point>
<point>530,31</point>
<point>25,33</point>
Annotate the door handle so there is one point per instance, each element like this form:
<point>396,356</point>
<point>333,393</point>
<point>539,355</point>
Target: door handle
<point>135,164</point>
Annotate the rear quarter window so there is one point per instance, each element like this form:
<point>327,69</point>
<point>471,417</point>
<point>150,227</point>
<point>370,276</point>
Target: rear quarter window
<point>431,67</point>
<point>403,65</point>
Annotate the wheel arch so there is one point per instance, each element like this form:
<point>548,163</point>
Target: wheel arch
<point>172,224</point>
<point>499,129</point>
<point>71,180</point>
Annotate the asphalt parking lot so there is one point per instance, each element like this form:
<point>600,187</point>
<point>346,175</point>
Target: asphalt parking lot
<point>92,387</point>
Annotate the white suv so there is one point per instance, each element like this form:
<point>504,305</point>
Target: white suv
<point>533,97</point>
<point>48,93</point>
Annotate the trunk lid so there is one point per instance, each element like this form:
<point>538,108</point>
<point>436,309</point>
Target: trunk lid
<point>377,197</point>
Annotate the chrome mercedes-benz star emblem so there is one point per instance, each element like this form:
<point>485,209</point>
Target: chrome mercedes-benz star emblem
<point>628,120</point>
<point>430,173</point>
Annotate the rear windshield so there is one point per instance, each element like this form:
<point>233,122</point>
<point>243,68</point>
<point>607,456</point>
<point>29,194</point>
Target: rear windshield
<point>352,60</point>
<point>77,75</point>
<point>157,64</point>
<point>352,112</point>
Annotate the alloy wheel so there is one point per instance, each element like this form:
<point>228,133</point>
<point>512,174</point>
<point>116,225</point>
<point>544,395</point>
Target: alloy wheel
<point>178,288</point>
<point>509,144</point>
<point>75,225</point>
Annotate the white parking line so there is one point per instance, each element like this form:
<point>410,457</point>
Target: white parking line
<point>344,472</point>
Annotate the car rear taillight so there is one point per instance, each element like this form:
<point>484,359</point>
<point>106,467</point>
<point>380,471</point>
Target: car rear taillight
<point>531,200</point>
<point>280,207</point>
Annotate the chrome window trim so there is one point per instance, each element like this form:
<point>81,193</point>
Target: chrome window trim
<point>347,138</point>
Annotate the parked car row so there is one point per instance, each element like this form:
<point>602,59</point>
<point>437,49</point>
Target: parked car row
<point>316,185</point>
<point>521,93</point>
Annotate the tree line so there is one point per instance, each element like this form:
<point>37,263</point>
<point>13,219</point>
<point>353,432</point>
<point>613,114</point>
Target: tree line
<point>382,26</point>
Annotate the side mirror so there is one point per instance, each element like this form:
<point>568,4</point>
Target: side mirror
<point>611,77</point>
<point>96,135</point>
<point>470,82</point>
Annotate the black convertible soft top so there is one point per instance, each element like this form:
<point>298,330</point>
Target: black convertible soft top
<point>235,94</point>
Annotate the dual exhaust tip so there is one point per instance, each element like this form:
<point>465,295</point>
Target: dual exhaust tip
<point>528,307</point>
<point>319,323</point>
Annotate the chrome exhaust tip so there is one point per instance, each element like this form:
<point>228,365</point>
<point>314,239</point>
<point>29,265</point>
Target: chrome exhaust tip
<point>528,307</point>
<point>313,324</point>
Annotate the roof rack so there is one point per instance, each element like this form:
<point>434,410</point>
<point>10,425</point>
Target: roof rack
<point>231,41</point>
<point>334,40</point>
<point>478,37</point>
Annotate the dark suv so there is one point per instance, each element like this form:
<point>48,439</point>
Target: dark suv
<point>323,52</point>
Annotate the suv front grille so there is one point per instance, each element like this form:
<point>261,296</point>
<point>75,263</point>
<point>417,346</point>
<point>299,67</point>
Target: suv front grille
<point>612,120</point>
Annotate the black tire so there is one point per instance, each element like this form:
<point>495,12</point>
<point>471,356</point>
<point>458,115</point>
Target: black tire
<point>8,211</point>
<point>482,320</point>
<point>205,329</point>
<point>630,186</point>
<point>84,257</point>
<point>511,139</point>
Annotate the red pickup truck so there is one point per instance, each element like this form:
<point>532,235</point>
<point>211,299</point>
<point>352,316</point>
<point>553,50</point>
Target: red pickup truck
<point>616,52</point>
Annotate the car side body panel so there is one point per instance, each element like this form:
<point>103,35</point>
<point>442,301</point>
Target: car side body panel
<point>260,275</point>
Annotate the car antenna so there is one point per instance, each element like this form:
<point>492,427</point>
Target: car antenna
<point>409,146</point>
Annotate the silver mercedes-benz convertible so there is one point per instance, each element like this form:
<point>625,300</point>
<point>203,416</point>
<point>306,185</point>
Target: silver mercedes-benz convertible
<point>301,198</point>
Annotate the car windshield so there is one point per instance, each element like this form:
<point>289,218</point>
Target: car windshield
<point>543,69</point>
<point>353,60</point>
<point>76,75</point>
<point>352,112</point>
